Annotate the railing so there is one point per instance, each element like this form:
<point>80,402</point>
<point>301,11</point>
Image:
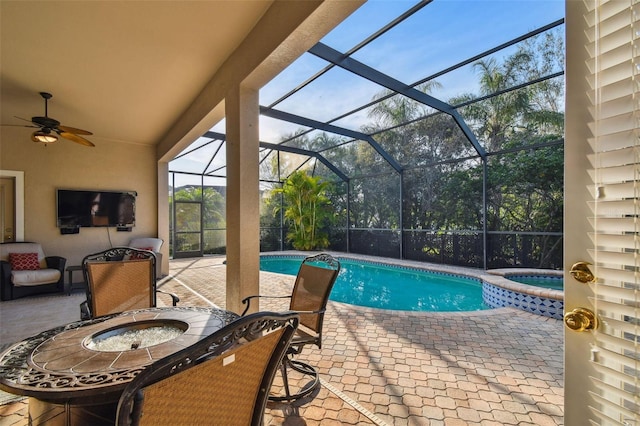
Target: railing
<point>460,248</point>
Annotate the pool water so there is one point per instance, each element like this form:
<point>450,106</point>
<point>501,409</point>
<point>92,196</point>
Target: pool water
<point>550,282</point>
<point>389,287</point>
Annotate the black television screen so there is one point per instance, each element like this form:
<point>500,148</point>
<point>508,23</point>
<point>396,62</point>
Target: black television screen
<point>77,208</point>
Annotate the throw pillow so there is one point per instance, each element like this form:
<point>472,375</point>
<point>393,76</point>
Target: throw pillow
<point>24,261</point>
<point>140,255</point>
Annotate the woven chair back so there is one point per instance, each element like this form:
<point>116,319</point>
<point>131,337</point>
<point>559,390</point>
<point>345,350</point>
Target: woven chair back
<point>221,380</point>
<point>311,291</point>
<point>118,286</point>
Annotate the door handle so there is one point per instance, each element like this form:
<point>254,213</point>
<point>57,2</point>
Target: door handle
<point>581,272</point>
<point>581,319</point>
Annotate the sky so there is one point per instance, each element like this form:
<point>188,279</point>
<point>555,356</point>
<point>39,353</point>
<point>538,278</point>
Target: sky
<point>440,35</point>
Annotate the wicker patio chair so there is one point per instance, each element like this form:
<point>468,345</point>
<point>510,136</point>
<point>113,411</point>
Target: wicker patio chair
<point>118,280</point>
<point>222,380</point>
<point>311,290</point>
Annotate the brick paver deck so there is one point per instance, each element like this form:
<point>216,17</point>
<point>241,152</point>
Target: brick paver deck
<point>493,367</point>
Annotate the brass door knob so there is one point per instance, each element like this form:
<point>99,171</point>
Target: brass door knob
<point>581,319</point>
<point>581,272</point>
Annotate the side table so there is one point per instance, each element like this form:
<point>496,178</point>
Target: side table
<point>70,270</point>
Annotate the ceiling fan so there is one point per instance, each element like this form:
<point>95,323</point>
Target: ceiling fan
<point>49,128</point>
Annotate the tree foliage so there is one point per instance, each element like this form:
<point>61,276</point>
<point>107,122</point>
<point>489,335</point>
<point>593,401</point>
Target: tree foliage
<point>306,210</point>
<point>443,186</point>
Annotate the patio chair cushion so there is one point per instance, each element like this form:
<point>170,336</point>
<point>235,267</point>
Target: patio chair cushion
<point>35,277</point>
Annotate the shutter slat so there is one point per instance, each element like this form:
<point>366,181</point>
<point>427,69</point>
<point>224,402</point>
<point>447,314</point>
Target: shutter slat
<point>624,156</point>
<point>614,391</point>
<point>609,419</point>
<point>616,258</point>
<point>620,89</point>
<point>608,371</point>
<point>616,225</point>
<point>622,326</point>
<point>615,208</point>
<point>615,140</point>
<point>619,191</point>
<point>618,308</point>
<point>618,174</point>
<point>611,292</point>
<point>617,274</point>
<point>620,241</point>
<point>617,292</point>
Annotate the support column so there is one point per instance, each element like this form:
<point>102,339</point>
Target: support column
<point>163,210</point>
<point>243,203</point>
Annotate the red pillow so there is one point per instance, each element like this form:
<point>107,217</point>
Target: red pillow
<point>140,255</point>
<point>24,261</point>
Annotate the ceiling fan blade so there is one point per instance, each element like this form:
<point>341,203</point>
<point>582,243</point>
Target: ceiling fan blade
<point>74,130</point>
<point>23,119</point>
<point>19,125</point>
<point>75,138</point>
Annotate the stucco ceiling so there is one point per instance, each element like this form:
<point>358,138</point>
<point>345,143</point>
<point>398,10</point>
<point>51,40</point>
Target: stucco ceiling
<point>123,70</point>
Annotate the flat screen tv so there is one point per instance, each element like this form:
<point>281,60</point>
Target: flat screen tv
<point>79,208</point>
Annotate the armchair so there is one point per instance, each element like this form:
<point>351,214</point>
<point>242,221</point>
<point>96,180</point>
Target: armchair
<point>118,280</point>
<point>223,379</point>
<point>25,271</point>
<point>309,298</point>
<point>151,244</point>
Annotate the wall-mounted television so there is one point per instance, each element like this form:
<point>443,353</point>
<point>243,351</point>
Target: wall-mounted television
<point>82,208</point>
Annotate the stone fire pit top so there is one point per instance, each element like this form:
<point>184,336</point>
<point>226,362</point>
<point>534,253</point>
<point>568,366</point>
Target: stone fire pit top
<point>57,363</point>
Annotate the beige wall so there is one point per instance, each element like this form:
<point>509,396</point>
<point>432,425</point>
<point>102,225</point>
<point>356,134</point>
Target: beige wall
<point>285,31</point>
<point>64,164</point>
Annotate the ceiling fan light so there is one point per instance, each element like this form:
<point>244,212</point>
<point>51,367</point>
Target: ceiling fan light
<point>43,137</point>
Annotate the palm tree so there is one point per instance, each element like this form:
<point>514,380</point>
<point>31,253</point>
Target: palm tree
<point>306,210</point>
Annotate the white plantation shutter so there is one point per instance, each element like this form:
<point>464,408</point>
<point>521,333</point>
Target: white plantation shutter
<point>615,32</point>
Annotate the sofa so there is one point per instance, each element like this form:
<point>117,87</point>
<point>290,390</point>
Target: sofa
<point>151,244</point>
<point>25,270</point>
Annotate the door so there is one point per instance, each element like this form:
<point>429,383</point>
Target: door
<point>602,208</point>
<point>187,231</point>
<point>17,179</point>
<point>7,210</point>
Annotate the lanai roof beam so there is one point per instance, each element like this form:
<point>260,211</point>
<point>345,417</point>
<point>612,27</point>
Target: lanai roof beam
<point>329,54</point>
<point>307,122</point>
<point>292,150</point>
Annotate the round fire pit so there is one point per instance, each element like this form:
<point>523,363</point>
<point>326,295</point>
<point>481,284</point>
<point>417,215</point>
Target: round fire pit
<point>137,335</point>
<point>78,371</point>
<point>81,360</point>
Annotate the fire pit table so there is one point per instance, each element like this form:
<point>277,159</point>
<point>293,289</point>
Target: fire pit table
<point>74,374</point>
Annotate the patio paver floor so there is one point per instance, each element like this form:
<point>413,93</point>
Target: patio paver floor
<point>493,367</point>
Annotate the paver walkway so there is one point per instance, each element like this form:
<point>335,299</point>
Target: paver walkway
<point>493,367</point>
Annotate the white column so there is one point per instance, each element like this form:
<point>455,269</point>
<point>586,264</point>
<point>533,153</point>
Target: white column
<point>243,215</point>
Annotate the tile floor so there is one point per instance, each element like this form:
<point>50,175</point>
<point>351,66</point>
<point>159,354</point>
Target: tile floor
<point>494,367</point>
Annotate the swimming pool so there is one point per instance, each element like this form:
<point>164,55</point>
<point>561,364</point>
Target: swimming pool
<point>544,281</point>
<point>383,286</point>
